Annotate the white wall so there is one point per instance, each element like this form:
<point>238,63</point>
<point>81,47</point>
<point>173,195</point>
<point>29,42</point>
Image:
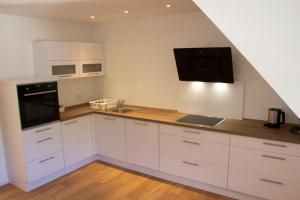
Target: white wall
<point>141,66</point>
<point>16,58</point>
<point>267,33</point>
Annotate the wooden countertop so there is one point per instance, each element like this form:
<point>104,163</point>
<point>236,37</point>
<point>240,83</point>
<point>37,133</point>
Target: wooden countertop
<point>246,127</point>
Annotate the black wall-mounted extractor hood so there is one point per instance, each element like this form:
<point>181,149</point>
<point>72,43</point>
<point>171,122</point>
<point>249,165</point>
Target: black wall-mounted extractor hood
<point>204,64</point>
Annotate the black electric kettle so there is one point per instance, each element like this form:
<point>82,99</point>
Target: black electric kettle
<point>276,117</point>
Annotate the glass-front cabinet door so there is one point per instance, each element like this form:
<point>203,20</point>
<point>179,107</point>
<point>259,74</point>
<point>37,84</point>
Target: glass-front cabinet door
<point>91,68</point>
<point>63,69</point>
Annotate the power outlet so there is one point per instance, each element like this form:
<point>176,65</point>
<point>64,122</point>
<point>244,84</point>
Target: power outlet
<point>78,96</point>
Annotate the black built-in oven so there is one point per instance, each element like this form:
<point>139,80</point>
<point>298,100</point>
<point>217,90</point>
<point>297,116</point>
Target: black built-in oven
<point>38,103</point>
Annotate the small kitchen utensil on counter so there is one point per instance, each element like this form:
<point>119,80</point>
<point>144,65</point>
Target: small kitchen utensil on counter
<point>276,117</point>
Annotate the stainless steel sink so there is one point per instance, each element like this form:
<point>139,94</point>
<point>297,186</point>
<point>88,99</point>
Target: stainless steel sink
<point>122,109</point>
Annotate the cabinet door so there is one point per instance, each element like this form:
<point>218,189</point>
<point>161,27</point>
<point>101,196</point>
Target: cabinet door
<point>142,143</point>
<point>90,51</point>
<point>64,51</point>
<point>77,139</point>
<point>91,68</point>
<point>110,136</point>
<point>63,69</point>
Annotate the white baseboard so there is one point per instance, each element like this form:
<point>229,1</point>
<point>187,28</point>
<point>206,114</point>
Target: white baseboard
<point>3,182</point>
<point>180,180</point>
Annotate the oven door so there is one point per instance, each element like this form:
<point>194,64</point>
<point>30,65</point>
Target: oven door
<point>38,108</point>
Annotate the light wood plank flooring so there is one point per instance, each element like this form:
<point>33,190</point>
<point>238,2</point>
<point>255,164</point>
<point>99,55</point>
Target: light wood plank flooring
<point>101,181</point>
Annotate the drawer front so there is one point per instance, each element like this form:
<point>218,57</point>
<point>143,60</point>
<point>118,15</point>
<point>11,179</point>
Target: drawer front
<point>43,146</point>
<point>45,166</point>
<point>266,145</point>
<point>263,162</point>
<point>142,143</point>
<point>263,186</point>
<point>38,132</point>
<point>195,149</point>
<point>197,134</point>
<point>197,171</point>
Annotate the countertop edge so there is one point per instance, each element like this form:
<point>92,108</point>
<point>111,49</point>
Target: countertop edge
<point>288,137</point>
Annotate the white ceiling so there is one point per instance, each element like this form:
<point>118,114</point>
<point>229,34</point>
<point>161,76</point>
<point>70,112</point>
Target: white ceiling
<point>103,10</point>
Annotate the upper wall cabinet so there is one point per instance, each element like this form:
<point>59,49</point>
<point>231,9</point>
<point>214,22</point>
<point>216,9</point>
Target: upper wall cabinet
<point>60,50</point>
<point>90,51</point>
<point>67,59</point>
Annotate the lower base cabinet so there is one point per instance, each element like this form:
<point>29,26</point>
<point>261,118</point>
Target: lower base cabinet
<point>261,168</point>
<point>194,170</point>
<point>110,136</point>
<point>142,143</point>
<point>263,186</point>
<point>45,166</point>
<point>77,137</point>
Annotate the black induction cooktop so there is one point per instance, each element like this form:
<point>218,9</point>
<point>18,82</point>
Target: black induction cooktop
<point>201,120</point>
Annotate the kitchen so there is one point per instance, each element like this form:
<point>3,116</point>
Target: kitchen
<point>148,76</point>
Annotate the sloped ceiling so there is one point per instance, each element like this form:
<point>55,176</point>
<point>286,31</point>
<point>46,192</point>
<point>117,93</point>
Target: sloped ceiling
<point>103,10</point>
<point>267,33</point>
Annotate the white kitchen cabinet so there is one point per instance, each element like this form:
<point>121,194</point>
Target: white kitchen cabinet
<point>62,60</point>
<point>264,162</point>
<point>194,154</point>
<point>198,134</point>
<point>142,143</point>
<point>3,173</point>
<point>62,69</point>
<point>58,50</point>
<point>199,150</point>
<point>266,145</point>
<point>91,59</point>
<point>90,51</point>
<point>43,145</point>
<point>56,59</point>
<point>194,170</point>
<point>44,166</point>
<point>264,168</point>
<point>77,139</point>
<point>263,186</point>
<point>110,136</point>
<point>90,68</point>
<point>42,141</point>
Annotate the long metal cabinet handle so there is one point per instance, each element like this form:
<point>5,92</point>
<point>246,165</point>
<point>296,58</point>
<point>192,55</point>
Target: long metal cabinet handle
<point>190,163</point>
<point>44,140</point>
<point>73,122</point>
<point>108,118</point>
<point>276,145</point>
<point>47,159</point>
<point>42,130</point>
<point>139,123</point>
<point>273,157</point>
<point>94,73</point>
<point>65,76</point>
<point>271,181</point>
<point>189,142</point>
<point>194,132</point>
<point>38,93</point>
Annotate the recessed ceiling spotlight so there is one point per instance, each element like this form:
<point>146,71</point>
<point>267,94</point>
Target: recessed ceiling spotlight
<point>126,11</point>
<point>92,17</point>
<point>168,6</point>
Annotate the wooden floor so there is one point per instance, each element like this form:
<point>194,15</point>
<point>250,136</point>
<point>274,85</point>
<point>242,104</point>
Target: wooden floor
<point>99,181</point>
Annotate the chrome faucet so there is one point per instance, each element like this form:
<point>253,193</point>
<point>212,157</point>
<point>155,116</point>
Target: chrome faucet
<point>120,103</point>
